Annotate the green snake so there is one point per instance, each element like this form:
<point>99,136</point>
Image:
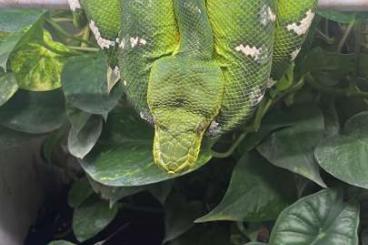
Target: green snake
<point>197,68</point>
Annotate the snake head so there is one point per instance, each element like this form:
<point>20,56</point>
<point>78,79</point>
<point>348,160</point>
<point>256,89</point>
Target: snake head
<point>184,96</point>
<point>178,137</point>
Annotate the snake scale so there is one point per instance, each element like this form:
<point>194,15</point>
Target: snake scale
<point>197,68</point>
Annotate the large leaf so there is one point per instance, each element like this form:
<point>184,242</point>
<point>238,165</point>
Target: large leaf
<point>345,156</point>
<point>257,192</point>
<point>292,148</point>
<point>92,217</point>
<point>320,219</point>
<point>37,65</point>
<point>34,112</point>
<point>123,155</point>
<point>8,87</point>
<point>20,24</point>
<point>85,84</point>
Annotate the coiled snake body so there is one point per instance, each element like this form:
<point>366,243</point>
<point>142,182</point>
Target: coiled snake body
<point>197,67</point>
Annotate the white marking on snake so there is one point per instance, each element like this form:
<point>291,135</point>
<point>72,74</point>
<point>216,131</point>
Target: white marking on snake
<point>142,41</point>
<point>247,50</point>
<point>302,27</point>
<point>137,41</point>
<point>271,15</point>
<point>267,15</point>
<point>74,5</point>
<point>102,42</point>
<point>122,43</point>
<point>294,54</point>
<point>134,41</point>
<point>256,96</point>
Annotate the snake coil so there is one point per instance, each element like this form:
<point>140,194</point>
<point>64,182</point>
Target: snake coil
<point>197,67</point>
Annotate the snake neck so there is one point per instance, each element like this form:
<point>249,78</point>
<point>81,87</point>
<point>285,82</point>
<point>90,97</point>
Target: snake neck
<point>196,37</point>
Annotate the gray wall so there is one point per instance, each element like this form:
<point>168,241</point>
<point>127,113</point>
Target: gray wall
<point>21,185</point>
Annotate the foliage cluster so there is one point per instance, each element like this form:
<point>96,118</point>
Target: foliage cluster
<point>295,174</point>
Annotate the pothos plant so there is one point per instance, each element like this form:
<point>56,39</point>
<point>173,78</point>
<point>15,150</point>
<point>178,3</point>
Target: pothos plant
<point>296,173</point>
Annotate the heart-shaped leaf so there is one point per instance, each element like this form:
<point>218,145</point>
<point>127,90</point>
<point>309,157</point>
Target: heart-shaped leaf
<point>258,192</point>
<point>292,147</point>
<point>345,156</point>
<point>320,219</point>
<point>123,155</point>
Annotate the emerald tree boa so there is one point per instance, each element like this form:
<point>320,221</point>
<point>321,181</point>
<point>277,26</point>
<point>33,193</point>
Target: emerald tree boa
<point>197,68</point>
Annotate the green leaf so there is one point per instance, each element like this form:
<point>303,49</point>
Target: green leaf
<point>15,20</point>
<point>84,133</point>
<point>320,219</point>
<point>292,148</point>
<point>20,30</point>
<point>8,87</point>
<point>92,217</point>
<point>34,112</point>
<point>123,155</point>
<point>79,192</point>
<point>345,156</point>
<point>37,66</point>
<point>85,84</point>
<point>180,214</point>
<point>257,192</point>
